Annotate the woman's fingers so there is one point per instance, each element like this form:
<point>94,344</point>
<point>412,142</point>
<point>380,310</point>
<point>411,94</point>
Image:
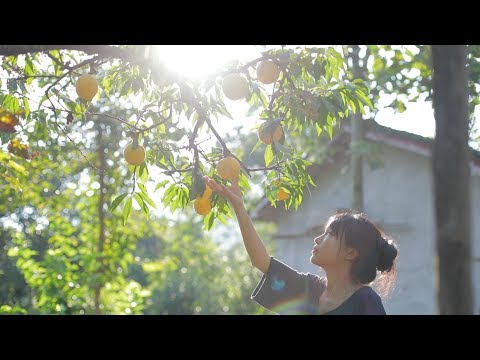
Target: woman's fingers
<point>214,185</point>
<point>222,189</point>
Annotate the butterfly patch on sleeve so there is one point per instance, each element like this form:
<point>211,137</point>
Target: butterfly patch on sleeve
<point>277,285</point>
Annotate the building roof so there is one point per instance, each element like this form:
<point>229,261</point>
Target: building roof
<point>340,143</point>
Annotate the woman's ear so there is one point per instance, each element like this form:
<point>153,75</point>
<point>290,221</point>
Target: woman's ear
<point>351,254</point>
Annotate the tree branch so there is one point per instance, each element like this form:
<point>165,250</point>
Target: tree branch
<point>271,167</point>
<point>190,168</point>
<point>171,172</point>
<point>133,127</point>
<point>56,61</point>
<point>224,146</point>
<point>101,50</point>
<point>32,77</point>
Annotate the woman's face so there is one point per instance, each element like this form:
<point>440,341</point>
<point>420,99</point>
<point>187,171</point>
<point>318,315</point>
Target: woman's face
<point>326,250</point>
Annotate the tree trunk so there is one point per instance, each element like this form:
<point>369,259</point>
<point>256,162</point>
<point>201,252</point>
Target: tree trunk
<point>357,137</point>
<point>451,174</point>
<point>101,213</point>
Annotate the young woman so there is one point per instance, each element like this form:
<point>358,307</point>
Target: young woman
<point>351,251</point>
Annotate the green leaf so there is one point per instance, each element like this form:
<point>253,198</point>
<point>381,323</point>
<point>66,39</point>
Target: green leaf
<point>268,155</point>
<point>338,100</point>
<point>305,162</point>
<point>210,221</point>
<point>223,110</point>
<point>378,64</point>
<point>117,201</point>
<point>148,200</point>
<point>107,84</point>
<point>206,220</point>
<point>329,126</point>
<point>79,109</point>
<point>161,184</point>
<point>29,69</point>
<point>175,203</point>
<point>126,210</point>
<point>352,105</point>
<point>146,210</point>
<point>41,131</point>
<point>170,194</point>
<point>10,103</point>
<point>26,105</point>
<point>284,149</point>
<point>359,106</point>
<point>126,87</point>
<point>140,200</point>
<point>222,219</point>
<point>142,187</point>
<point>257,145</point>
<point>364,98</point>
<point>17,167</point>
<point>143,172</point>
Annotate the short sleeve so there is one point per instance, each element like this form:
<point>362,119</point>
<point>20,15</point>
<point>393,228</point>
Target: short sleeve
<point>284,290</point>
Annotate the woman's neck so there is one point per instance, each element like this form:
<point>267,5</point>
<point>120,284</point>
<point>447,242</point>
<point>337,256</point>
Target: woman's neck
<point>340,283</point>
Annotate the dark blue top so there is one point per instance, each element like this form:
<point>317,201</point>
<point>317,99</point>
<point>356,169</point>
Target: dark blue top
<point>284,290</point>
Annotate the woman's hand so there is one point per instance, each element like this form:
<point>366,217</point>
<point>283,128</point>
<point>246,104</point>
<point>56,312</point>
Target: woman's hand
<point>231,193</point>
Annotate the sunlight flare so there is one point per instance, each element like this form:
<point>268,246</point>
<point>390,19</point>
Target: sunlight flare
<point>197,61</point>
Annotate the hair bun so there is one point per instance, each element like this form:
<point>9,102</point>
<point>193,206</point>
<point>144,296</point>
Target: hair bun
<point>387,252</point>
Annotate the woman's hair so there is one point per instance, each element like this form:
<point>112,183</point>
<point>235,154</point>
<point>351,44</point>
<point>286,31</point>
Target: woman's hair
<point>376,251</point>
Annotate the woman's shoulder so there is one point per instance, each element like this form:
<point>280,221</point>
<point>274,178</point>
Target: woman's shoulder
<point>367,292</point>
<point>369,302</point>
<point>316,284</point>
<point>316,281</point>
